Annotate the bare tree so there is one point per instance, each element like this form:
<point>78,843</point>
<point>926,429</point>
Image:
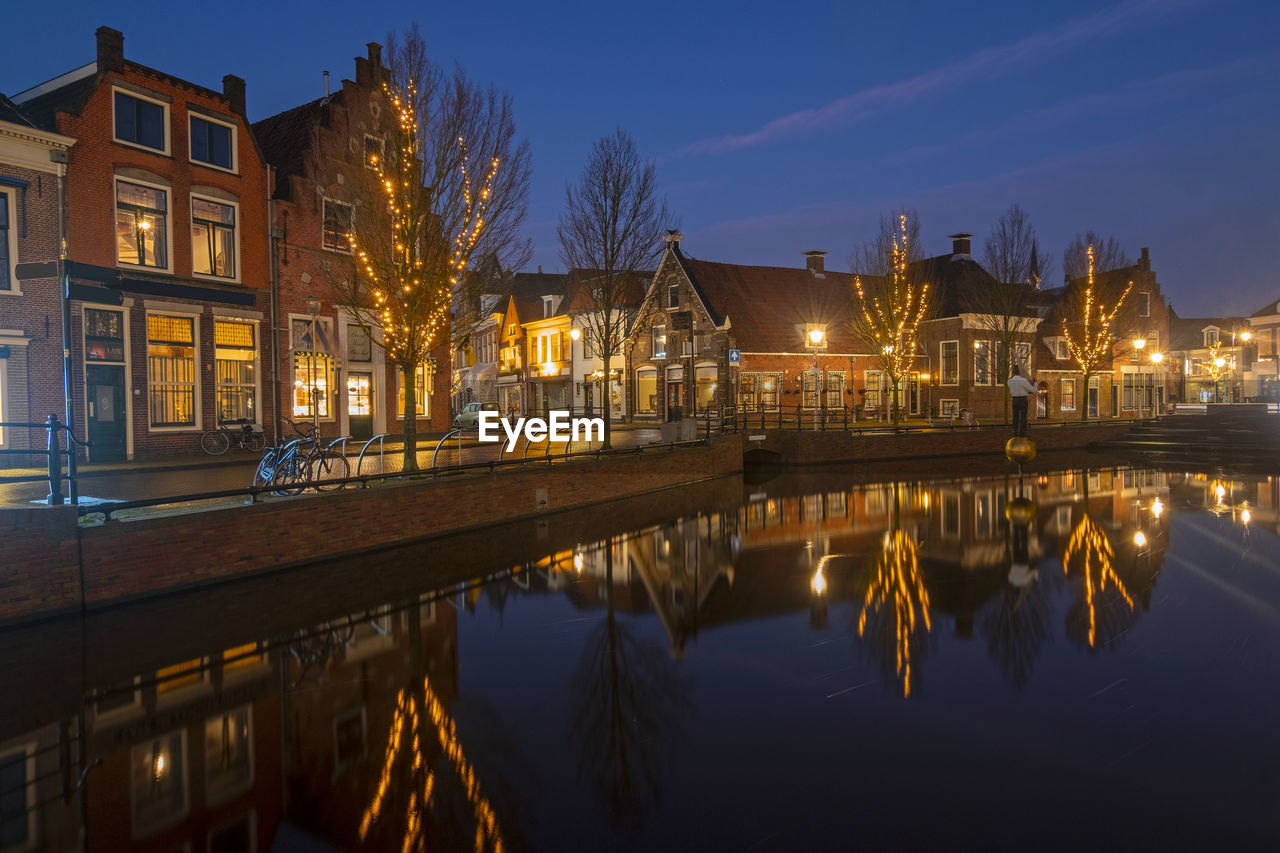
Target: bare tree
<point>450,185</point>
<point>891,298</point>
<point>612,227</point>
<point>1011,254</point>
<point>1108,255</point>
<point>1089,311</point>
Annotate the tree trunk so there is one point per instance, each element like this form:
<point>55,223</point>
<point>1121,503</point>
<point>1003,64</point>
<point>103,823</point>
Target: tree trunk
<point>607,405</point>
<point>410,386</point>
<point>1084,404</point>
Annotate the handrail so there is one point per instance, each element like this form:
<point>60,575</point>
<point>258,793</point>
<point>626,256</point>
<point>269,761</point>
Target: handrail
<point>254,492</point>
<point>53,453</point>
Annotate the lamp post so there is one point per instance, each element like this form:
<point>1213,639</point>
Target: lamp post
<point>313,308</point>
<point>1245,337</point>
<point>1157,358</point>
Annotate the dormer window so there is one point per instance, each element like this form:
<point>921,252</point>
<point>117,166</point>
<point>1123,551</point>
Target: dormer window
<point>1210,337</point>
<point>1062,349</point>
<point>546,306</point>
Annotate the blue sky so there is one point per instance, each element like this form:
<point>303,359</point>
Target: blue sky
<point>779,129</point>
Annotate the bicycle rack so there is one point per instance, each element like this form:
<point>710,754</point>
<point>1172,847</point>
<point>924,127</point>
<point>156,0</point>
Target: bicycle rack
<point>448,435</point>
<point>382,466</point>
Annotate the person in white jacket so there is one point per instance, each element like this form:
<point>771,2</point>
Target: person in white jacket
<point>1019,388</point>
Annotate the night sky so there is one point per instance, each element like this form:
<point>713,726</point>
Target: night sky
<point>785,127</point>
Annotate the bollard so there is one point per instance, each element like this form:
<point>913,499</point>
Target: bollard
<point>55,460</point>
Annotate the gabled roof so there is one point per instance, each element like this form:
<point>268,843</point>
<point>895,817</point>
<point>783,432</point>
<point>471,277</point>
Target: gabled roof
<point>1187,333</point>
<point>539,284</point>
<point>285,138</point>
<point>952,277</point>
<point>1268,310</point>
<point>12,113</point>
<point>71,98</point>
<point>768,307</point>
<point>631,291</point>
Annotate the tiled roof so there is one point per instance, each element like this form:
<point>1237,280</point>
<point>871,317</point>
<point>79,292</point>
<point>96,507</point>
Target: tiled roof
<point>1187,333</point>
<point>950,279</point>
<point>768,307</point>
<point>71,98</point>
<point>580,284</point>
<point>12,113</point>
<point>1271,308</point>
<point>539,284</point>
<point>285,138</point>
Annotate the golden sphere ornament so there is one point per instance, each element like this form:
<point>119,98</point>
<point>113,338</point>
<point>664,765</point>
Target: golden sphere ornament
<point>1020,449</point>
<point>1020,511</point>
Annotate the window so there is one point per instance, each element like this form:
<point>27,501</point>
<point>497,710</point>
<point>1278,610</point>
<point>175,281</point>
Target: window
<point>705,383</point>
<point>235,360</point>
<point>950,363</point>
<point>158,782</point>
<point>213,238</point>
<point>422,399</point>
<point>747,390</point>
<point>949,408</point>
<point>142,215</point>
<point>7,254</point>
<point>673,296</point>
<point>374,146</point>
<point>809,389</point>
<point>1144,304</point>
<point>588,348</point>
<point>1022,356</point>
<point>951,514</point>
<point>17,800</point>
<point>511,330</point>
<point>103,335</point>
<point>659,341</point>
<point>647,390</point>
<point>1210,337</point>
<point>1063,352</point>
<point>835,389</point>
<point>770,385</point>
<point>228,754</point>
<point>141,122</point>
<point>213,143</point>
<point>171,370</point>
<point>313,366</point>
<point>337,226</point>
<point>1068,395</point>
<point>871,400</point>
<point>359,344</point>
<point>982,366</point>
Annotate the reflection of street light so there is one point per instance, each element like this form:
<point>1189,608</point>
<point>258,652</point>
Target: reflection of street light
<point>1140,539</point>
<point>1157,508</point>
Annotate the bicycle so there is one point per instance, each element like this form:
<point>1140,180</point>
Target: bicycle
<point>302,463</point>
<point>218,441</point>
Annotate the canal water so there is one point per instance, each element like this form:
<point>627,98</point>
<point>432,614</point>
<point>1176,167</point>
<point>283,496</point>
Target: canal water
<point>1078,659</point>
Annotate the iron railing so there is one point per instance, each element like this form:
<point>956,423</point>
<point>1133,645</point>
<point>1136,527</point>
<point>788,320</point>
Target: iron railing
<point>52,454</point>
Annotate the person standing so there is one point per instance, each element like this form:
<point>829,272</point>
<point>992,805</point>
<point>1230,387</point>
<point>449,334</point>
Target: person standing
<point>1019,388</point>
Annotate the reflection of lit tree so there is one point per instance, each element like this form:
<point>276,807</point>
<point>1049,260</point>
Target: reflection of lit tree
<point>895,612</point>
<point>407,777</point>
<point>629,704</point>
<point>1090,555</point>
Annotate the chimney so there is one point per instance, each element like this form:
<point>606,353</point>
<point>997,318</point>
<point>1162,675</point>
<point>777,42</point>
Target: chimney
<point>375,54</point>
<point>672,238</point>
<point>960,246</point>
<point>233,88</point>
<point>326,84</point>
<point>1144,262</point>
<point>813,261</point>
<point>110,49</point>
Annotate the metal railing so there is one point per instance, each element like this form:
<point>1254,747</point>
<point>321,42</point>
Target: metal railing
<point>53,454</point>
<point>253,494</point>
<point>729,419</point>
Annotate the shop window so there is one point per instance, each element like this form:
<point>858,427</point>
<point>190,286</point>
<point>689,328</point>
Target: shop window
<point>171,370</point>
<point>313,366</point>
<point>646,390</point>
<point>706,382</point>
<point>103,335</point>
<point>235,364</point>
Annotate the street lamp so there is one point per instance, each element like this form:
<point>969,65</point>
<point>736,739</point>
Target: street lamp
<point>1157,358</point>
<point>1140,344</point>
<point>313,308</point>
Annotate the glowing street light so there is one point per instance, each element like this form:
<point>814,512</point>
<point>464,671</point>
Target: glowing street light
<point>816,336</point>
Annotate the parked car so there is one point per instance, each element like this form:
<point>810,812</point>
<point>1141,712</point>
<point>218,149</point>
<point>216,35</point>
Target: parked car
<point>469,417</point>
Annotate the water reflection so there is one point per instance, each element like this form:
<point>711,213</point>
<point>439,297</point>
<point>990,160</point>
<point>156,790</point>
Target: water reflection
<point>362,731</point>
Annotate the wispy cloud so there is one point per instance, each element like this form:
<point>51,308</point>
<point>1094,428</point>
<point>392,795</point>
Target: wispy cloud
<point>1174,86</point>
<point>990,62</point>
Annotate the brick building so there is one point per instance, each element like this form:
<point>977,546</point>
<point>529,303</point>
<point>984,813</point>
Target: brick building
<point>166,241</point>
<point>330,371</point>
<point>32,175</point>
<point>534,346</point>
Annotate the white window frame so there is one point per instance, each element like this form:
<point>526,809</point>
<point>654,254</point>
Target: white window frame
<point>235,205</point>
<point>10,194</point>
<point>28,753</point>
<point>198,389</point>
<point>428,376</point>
<point>168,132</point>
<point>942,362</point>
<point>949,407</point>
<point>653,340</point>
<point>235,144</point>
<point>257,360</point>
<point>325,200</point>
<point>168,227</point>
<point>673,290</point>
<point>1062,399</point>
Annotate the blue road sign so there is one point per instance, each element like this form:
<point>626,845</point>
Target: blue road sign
<point>735,356</point>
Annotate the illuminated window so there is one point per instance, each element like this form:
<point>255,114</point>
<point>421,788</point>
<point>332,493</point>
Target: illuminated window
<point>141,121</point>
<point>103,335</point>
<point>235,364</point>
<point>373,150</point>
<point>706,378</point>
<point>646,390</point>
<point>659,341</point>
<point>873,383</point>
<point>171,370</point>
<point>228,754</point>
<point>770,387</point>
<point>142,216</point>
<point>835,389</point>
<point>213,238</point>
<point>313,366</point>
<point>747,383</point>
<point>422,405</point>
<point>158,782</point>
<point>1068,395</point>
<point>337,226</point>
<point>213,143</point>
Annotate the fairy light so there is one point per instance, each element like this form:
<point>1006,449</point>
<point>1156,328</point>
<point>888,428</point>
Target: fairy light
<point>1089,542</point>
<point>1089,343</point>
<point>892,317</point>
<point>898,588</point>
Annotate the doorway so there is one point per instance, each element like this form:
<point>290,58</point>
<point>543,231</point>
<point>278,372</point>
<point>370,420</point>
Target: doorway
<point>588,394</point>
<point>675,393</point>
<point>105,402</point>
<point>360,405</point>
<point>1093,400</point>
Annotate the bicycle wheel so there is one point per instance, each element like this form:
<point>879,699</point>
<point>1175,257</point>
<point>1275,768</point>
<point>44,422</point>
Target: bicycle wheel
<point>255,442</point>
<point>266,468</point>
<point>289,477</point>
<point>215,442</point>
<point>327,467</point>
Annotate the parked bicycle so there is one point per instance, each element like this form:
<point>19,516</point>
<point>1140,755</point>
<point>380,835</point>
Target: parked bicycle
<point>218,441</point>
<point>303,463</point>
